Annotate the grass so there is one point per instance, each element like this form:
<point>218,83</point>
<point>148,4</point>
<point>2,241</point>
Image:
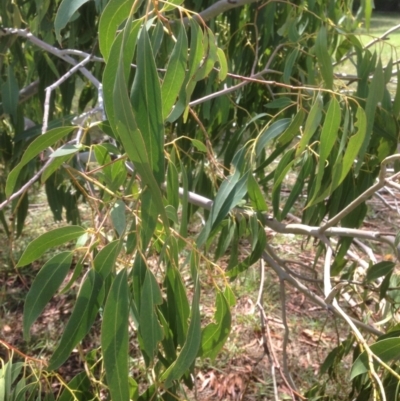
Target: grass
<point>386,49</point>
<point>381,23</point>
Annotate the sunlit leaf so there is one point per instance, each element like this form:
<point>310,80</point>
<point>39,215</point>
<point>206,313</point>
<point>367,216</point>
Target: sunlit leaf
<point>176,71</point>
<point>312,123</point>
<point>48,240</point>
<point>147,106</point>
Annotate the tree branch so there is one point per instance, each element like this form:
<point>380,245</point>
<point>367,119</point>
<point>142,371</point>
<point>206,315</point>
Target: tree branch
<point>24,33</point>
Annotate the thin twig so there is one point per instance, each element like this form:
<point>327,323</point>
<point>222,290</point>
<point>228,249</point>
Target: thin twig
<point>56,84</point>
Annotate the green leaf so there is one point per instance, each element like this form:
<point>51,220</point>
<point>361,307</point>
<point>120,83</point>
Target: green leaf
<point>289,63</point>
<point>48,240</point>
<point>379,269</point>
<point>312,123</point>
<point>293,129</point>
<point>53,166</point>
<point>210,56</point>
<point>78,388</point>
<point>118,217</point>
<point>195,58</point>
<point>354,145</point>
<point>178,305</point>
<point>90,298</point>
<point>176,71</point>
<point>270,133</point>
<point>199,145</point>
<point>45,285</point>
<point>191,347</point>
<point>328,139</point>
<point>115,12</point>
<point>223,65</point>
<point>280,103</point>
<point>257,198</point>
<point>64,13</point>
<point>147,106</point>
<point>323,57</point>
<point>131,137</point>
<point>10,94</point>
<point>37,146</point>
<point>67,149</point>
<point>387,350</point>
<point>215,334</point>
<point>172,182</point>
<point>114,63</point>
<point>149,326</point>
<point>104,262</point>
<point>115,337</point>
<point>297,189</point>
<point>375,96</point>
<point>149,215</point>
<point>396,101</point>
<point>230,193</point>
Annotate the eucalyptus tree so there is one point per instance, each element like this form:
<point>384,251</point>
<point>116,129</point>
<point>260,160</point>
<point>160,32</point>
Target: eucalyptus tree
<point>153,112</point>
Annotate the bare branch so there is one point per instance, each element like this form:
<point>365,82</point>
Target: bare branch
<point>24,33</point>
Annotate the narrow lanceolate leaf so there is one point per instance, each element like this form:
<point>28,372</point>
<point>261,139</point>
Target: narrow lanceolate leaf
<point>49,240</point>
<point>324,58</point>
<point>45,285</point>
<point>115,336</point>
<point>64,13</point>
<point>257,198</point>
<point>375,95</point>
<point>312,124</point>
<point>354,145</point>
<point>270,133</point>
<point>38,145</point>
<point>125,126</point>
<point>191,347</point>
<point>147,106</point>
<point>150,328</point>
<point>229,195</point>
<point>176,70</point>
<point>115,12</point>
<point>87,305</point>
<point>118,217</point>
<point>387,350</point>
<point>105,260</point>
<point>178,305</point>
<point>10,94</point>
<point>114,63</point>
<point>328,139</point>
<point>379,270</point>
<point>215,334</point>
